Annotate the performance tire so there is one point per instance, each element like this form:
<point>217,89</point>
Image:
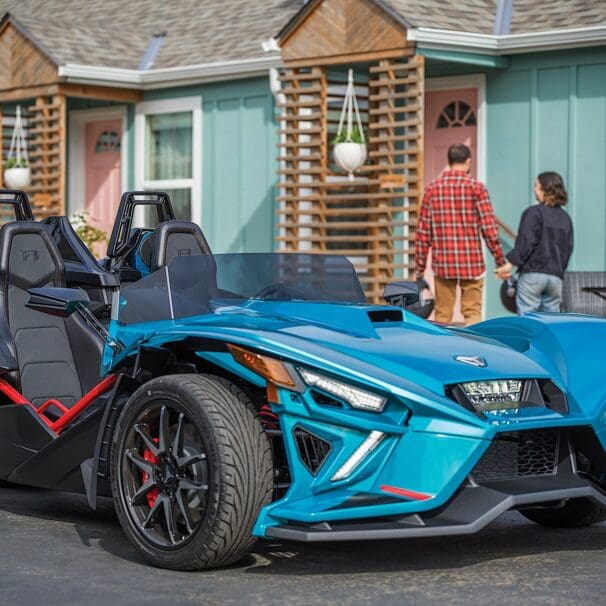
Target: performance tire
<point>575,513</point>
<point>191,468</point>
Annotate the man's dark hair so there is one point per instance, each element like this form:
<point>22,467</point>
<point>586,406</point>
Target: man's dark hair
<point>457,154</point>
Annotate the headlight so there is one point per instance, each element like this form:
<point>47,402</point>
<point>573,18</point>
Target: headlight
<point>354,396</point>
<point>493,395</point>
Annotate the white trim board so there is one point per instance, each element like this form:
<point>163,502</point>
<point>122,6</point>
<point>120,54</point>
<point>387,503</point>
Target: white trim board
<point>77,153</point>
<point>169,106</point>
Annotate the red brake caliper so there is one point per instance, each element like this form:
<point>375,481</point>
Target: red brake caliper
<point>148,455</point>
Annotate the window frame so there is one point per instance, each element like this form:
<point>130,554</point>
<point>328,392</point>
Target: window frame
<point>194,183</point>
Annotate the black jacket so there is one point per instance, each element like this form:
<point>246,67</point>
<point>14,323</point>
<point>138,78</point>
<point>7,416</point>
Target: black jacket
<point>544,241</point>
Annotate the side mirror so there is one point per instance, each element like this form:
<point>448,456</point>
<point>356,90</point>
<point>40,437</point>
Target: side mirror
<point>61,302</point>
<point>410,296</point>
<point>401,294</point>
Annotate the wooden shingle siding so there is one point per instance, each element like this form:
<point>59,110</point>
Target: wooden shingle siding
<point>21,63</point>
<point>343,30</point>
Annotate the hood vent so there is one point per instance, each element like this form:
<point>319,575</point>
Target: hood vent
<point>376,316</point>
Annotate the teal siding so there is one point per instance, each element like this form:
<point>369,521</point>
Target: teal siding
<point>548,112</point>
<point>238,163</point>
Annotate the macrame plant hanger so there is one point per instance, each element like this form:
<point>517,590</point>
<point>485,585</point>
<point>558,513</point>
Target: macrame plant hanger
<point>350,106</point>
<point>18,148</point>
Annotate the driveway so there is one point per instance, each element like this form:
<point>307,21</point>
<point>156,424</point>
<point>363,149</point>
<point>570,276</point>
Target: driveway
<point>55,550</point>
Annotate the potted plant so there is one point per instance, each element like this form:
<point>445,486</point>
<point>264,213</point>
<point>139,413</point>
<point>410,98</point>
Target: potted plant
<point>17,173</point>
<point>350,152</point>
<point>349,149</point>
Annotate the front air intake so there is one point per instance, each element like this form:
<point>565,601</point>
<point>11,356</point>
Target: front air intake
<point>312,449</point>
<point>519,454</point>
<point>377,316</point>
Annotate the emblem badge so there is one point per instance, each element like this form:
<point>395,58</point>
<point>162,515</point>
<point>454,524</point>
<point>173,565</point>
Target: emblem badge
<point>471,360</point>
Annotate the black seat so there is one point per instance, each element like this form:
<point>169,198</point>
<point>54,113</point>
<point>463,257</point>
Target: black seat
<point>175,239</point>
<point>43,345</point>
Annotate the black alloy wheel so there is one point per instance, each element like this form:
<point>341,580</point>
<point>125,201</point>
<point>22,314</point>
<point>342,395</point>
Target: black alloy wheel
<point>164,475</point>
<point>190,469</point>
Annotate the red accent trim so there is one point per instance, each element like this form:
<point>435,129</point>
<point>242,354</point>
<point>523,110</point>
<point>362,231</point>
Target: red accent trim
<point>54,403</point>
<point>69,414</point>
<point>409,494</point>
<point>83,403</point>
<point>13,395</point>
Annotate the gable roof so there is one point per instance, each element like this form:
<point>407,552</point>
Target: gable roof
<point>116,34</point>
<point>484,16</point>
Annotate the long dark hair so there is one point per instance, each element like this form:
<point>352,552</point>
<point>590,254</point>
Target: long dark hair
<point>553,188</point>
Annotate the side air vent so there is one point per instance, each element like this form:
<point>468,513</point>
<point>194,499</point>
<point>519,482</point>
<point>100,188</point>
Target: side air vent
<point>312,449</point>
<point>377,316</point>
<point>519,454</point>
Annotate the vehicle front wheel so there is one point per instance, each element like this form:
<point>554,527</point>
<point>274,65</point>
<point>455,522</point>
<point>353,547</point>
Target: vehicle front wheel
<point>191,468</point>
<point>574,513</point>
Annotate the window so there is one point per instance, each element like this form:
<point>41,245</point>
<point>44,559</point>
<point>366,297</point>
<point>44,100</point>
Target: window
<point>108,141</point>
<point>168,152</point>
<point>456,114</point>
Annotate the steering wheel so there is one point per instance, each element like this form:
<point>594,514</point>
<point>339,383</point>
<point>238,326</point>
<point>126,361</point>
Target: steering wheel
<point>281,290</point>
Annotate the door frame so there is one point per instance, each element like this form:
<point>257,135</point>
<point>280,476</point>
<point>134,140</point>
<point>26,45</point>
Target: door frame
<point>77,151</point>
<point>477,81</point>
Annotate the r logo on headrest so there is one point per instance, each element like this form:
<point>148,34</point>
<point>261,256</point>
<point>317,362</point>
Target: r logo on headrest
<point>183,252</point>
<point>30,256</point>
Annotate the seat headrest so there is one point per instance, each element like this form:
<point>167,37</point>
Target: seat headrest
<point>28,256</point>
<point>176,239</point>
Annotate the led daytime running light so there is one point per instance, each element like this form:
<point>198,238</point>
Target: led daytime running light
<point>370,443</point>
<point>354,396</point>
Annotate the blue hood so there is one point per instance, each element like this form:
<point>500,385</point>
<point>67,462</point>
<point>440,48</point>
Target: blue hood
<point>344,338</point>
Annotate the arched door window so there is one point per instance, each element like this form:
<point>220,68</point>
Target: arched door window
<point>456,114</point>
<point>108,141</point>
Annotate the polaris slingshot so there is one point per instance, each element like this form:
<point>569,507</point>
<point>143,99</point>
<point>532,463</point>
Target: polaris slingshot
<point>219,398</point>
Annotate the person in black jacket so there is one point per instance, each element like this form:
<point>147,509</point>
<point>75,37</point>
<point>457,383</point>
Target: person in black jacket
<point>543,247</point>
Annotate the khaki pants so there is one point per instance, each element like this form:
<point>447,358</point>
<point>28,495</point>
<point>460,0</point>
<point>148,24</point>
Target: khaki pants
<point>471,299</point>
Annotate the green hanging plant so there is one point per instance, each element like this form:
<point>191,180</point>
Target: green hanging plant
<point>356,136</point>
<point>16,163</point>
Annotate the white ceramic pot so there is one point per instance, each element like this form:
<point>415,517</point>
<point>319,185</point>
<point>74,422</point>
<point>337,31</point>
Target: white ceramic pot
<point>350,156</point>
<point>17,178</point>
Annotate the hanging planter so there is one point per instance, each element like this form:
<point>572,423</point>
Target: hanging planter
<point>349,149</point>
<point>17,174</point>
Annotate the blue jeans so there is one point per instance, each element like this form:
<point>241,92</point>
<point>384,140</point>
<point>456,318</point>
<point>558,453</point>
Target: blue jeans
<point>538,292</point>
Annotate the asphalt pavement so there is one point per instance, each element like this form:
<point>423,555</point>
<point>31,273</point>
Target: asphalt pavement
<point>55,550</point>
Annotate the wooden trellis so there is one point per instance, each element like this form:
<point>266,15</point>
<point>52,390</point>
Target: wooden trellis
<point>372,219</point>
<point>47,139</point>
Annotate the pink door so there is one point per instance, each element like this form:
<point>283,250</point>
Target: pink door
<point>102,176</point>
<point>450,117</point>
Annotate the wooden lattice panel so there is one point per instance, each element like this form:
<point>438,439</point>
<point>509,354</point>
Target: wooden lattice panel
<point>47,132</point>
<point>303,160</point>
<point>396,91</point>
<point>370,219</point>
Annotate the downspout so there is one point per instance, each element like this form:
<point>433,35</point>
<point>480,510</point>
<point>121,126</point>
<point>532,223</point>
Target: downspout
<point>275,86</point>
<point>502,20</point>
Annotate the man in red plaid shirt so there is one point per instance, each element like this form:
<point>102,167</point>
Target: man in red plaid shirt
<point>456,211</point>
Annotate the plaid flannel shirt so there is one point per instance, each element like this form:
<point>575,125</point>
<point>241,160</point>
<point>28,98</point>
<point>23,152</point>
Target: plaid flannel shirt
<point>456,210</point>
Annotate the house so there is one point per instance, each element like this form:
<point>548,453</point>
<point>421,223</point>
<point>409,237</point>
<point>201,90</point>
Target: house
<point>177,96</point>
<point>162,95</point>
<point>523,83</point>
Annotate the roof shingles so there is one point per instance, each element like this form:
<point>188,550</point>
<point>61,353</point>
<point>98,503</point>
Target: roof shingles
<point>116,33</point>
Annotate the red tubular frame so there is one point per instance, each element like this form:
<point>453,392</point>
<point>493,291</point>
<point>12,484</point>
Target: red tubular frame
<point>68,414</point>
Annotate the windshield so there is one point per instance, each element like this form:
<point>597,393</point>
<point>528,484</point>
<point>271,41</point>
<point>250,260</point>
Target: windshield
<point>194,285</point>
